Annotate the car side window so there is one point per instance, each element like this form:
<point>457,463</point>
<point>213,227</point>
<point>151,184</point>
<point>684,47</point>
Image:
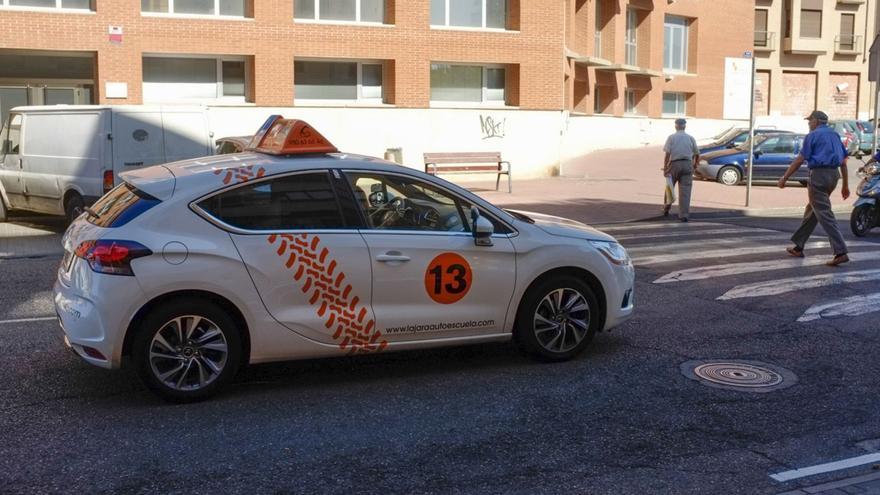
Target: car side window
<point>741,138</point>
<point>11,135</point>
<point>769,144</point>
<point>227,147</point>
<point>296,202</point>
<point>393,202</point>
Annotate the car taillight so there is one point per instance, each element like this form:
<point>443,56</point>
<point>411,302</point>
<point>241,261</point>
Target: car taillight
<point>111,257</point>
<point>108,181</point>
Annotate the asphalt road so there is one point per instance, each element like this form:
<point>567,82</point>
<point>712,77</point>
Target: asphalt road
<point>620,419</point>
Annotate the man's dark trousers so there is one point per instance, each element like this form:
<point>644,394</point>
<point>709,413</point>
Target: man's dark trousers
<point>823,181</point>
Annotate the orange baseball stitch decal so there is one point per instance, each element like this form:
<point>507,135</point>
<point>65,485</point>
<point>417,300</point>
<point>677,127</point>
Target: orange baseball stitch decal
<point>240,174</point>
<point>319,275</point>
<point>448,278</point>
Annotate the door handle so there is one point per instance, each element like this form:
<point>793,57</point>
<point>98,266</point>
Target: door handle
<point>392,256</point>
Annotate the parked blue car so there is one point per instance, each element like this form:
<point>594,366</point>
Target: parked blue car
<point>773,154</point>
<point>734,137</point>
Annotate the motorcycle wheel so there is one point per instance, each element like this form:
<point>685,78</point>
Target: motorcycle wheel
<point>861,220</point>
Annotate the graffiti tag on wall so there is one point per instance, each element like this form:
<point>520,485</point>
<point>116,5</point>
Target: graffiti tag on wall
<point>492,128</point>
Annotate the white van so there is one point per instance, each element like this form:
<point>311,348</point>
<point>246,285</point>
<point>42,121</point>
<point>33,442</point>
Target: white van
<point>58,159</point>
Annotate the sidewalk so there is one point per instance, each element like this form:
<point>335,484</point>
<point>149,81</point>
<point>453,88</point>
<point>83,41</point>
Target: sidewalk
<point>619,186</point>
<point>22,238</point>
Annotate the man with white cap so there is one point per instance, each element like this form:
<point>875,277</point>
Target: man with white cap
<point>825,156</point>
<point>682,157</point>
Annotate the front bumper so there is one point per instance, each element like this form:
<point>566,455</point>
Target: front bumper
<point>706,171</point>
<point>620,296</point>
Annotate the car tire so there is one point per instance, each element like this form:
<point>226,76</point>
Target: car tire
<point>187,350</point>
<point>548,331</point>
<point>729,176</point>
<point>860,220</point>
<point>73,207</point>
<point>4,213</point>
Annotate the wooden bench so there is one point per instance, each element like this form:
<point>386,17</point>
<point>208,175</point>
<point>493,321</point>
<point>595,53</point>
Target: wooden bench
<point>474,162</point>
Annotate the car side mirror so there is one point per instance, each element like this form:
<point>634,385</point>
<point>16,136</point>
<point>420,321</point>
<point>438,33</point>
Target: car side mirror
<point>758,153</point>
<point>483,229</point>
<point>731,145</point>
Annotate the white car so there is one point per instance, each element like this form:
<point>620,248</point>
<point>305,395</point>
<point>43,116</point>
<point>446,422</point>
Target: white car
<point>293,250</point>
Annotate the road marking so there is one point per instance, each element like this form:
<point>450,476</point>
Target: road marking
<point>736,230</point>
<point>27,320</point>
<point>848,306</point>
<point>703,243</point>
<point>660,225</point>
<point>726,270</point>
<point>825,468</point>
<point>785,285</point>
<point>731,252</point>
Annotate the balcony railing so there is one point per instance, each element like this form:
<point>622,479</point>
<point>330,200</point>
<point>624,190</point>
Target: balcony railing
<point>848,43</point>
<point>765,41</point>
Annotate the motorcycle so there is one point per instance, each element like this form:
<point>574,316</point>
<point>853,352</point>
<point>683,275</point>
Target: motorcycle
<point>866,210</point>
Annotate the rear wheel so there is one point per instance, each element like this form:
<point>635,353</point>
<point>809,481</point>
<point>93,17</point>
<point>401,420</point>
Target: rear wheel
<point>4,213</point>
<point>73,207</point>
<point>729,176</point>
<point>187,350</point>
<point>861,220</point>
<point>557,319</point>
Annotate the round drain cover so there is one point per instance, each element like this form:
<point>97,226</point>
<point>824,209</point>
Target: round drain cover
<point>744,376</point>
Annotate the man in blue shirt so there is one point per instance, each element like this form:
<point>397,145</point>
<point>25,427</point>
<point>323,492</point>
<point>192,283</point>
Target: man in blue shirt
<point>825,156</point>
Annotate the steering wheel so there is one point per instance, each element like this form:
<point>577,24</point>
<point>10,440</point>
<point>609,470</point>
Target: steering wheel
<point>390,213</point>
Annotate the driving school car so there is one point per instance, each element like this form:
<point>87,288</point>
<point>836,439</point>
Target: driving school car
<point>294,250</point>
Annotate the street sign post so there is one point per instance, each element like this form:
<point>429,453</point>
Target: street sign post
<point>874,76</point>
<point>749,56</point>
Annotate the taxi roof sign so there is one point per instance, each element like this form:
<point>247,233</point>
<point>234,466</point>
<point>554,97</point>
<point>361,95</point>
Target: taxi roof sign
<point>280,136</point>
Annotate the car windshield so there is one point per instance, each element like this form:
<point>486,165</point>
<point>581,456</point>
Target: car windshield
<point>867,126</point>
<point>727,135</point>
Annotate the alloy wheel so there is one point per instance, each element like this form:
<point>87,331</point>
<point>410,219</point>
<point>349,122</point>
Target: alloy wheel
<point>188,353</point>
<point>561,320</point>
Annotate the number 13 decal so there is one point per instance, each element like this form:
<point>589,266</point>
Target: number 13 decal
<point>448,278</point>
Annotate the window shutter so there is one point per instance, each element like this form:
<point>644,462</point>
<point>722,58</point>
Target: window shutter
<point>811,4</point>
<point>811,24</point>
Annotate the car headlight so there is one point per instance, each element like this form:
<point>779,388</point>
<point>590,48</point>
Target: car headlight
<point>613,251</point>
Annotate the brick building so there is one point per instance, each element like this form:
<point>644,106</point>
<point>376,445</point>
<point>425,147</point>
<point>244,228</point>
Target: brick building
<point>813,53</point>
<point>413,54</point>
<point>548,69</point>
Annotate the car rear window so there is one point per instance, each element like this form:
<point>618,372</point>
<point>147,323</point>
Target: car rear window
<point>120,206</point>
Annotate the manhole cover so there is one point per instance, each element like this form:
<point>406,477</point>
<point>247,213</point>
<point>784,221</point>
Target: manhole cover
<point>743,376</point>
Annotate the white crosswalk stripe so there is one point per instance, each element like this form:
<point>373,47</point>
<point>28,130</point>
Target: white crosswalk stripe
<point>776,287</point>
<point>687,246</point>
<point>660,225</point>
<point>729,252</point>
<point>848,306</point>
<point>729,269</point>
<point>685,233</point>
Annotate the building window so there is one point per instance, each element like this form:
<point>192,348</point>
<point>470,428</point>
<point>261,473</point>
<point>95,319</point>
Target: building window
<point>340,10</point>
<point>490,14</point>
<point>811,18</point>
<point>468,83</point>
<point>674,104</point>
<point>233,8</point>
<point>762,38</point>
<point>847,32</point>
<point>194,79</point>
<point>632,26</point>
<point>50,4</point>
<point>336,81</point>
<point>675,48</point>
<point>631,102</point>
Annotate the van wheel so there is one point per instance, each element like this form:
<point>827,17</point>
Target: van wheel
<point>557,319</point>
<point>74,207</point>
<point>4,213</point>
<point>187,350</point>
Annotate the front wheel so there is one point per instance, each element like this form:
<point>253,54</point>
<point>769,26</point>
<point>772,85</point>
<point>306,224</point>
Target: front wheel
<point>187,350</point>
<point>4,213</point>
<point>557,319</point>
<point>861,220</point>
<point>729,176</point>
